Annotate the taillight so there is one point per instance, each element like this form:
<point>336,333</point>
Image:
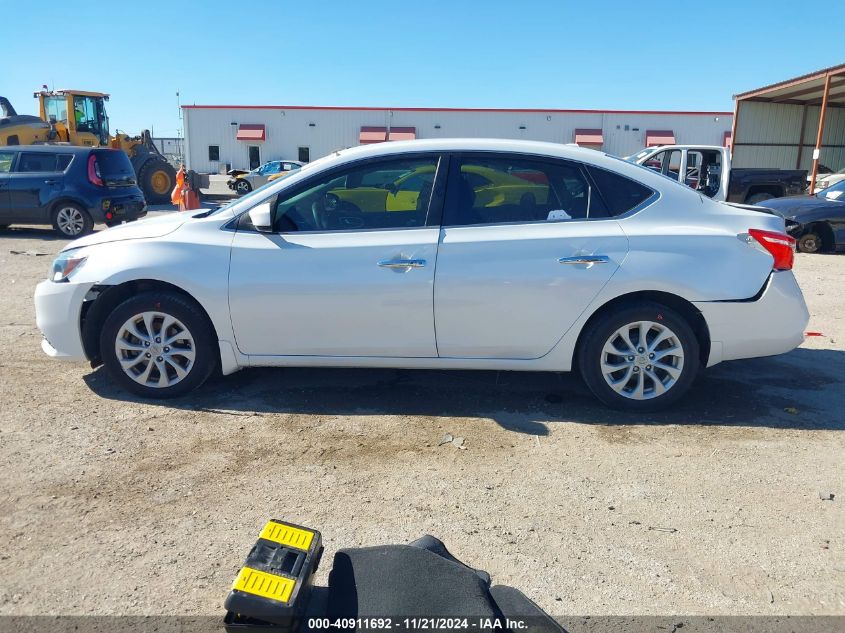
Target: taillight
<point>780,245</point>
<point>94,171</point>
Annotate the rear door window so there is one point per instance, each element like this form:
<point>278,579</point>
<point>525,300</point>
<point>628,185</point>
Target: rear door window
<point>38,162</point>
<point>496,189</point>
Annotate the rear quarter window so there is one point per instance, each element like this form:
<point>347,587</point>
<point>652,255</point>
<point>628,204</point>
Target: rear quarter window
<point>620,194</point>
<point>63,161</point>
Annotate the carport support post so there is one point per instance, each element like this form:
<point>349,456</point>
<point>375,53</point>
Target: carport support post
<point>817,150</point>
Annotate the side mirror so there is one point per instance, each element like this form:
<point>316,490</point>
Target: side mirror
<point>261,217</point>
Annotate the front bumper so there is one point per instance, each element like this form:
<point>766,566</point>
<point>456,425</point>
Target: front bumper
<point>57,313</point>
<point>772,324</point>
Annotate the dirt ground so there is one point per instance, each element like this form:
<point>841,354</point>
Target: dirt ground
<point>109,504</point>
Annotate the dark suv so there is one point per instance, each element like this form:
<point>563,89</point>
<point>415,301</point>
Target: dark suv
<point>71,188</point>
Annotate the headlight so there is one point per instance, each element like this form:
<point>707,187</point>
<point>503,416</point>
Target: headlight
<point>64,265</point>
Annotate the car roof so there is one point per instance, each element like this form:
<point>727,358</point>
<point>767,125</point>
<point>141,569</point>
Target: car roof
<point>540,148</point>
<point>57,147</point>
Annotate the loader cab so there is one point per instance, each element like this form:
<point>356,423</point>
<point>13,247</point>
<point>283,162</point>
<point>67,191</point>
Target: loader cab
<point>82,114</point>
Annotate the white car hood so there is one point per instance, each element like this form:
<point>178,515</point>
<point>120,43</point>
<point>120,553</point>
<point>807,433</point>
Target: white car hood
<point>141,229</point>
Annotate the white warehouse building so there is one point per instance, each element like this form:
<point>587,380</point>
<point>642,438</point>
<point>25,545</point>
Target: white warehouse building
<point>220,136</point>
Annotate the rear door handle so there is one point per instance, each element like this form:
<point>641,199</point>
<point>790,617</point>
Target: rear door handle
<point>402,263</point>
<point>50,182</point>
<point>584,259</point>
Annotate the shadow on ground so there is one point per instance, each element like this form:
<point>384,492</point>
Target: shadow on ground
<point>804,389</point>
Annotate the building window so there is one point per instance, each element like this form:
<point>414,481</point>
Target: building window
<point>304,154</point>
<point>213,152</point>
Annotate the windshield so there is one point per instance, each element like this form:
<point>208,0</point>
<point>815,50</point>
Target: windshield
<point>834,192</point>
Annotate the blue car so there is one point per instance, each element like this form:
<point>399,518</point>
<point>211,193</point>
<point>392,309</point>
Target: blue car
<point>817,222</point>
<point>71,188</point>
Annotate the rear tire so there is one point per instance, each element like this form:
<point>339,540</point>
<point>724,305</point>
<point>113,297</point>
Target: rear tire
<point>810,243</point>
<point>71,221</point>
<point>642,376</point>
<point>758,198</point>
<point>157,179</point>
<point>158,344</point>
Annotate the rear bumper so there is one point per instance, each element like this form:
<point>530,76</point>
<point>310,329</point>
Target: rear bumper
<point>121,208</point>
<point>773,324</point>
<point>57,311</point>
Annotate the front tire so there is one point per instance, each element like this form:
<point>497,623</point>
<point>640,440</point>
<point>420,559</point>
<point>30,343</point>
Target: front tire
<point>72,221</point>
<point>642,357</point>
<point>158,344</point>
<point>157,179</point>
<point>810,243</point>
<point>242,187</point>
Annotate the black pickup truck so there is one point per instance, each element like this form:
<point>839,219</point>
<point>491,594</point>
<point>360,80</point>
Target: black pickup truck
<point>708,169</point>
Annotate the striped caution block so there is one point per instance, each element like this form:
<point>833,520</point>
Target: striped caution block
<point>274,585</point>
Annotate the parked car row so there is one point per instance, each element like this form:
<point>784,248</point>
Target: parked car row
<point>817,222</point>
<point>72,188</point>
<point>559,258</point>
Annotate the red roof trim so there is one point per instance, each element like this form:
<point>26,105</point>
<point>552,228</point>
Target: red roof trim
<point>381,109</point>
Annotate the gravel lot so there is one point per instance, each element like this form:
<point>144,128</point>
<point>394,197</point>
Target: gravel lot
<point>109,504</point>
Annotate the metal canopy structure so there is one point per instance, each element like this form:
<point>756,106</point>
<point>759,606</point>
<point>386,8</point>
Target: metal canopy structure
<point>790,116</point>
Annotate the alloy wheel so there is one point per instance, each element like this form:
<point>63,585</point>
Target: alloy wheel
<point>642,360</point>
<point>70,221</point>
<point>155,349</point>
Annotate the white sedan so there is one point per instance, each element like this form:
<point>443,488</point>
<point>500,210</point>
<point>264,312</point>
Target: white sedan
<point>446,254</point>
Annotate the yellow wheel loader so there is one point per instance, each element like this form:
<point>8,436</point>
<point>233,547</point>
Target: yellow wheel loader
<point>78,117</point>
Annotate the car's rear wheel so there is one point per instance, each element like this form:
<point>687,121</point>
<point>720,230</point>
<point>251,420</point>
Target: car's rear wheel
<point>810,243</point>
<point>71,220</point>
<point>642,357</point>
<point>158,345</point>
<point>242,187</point>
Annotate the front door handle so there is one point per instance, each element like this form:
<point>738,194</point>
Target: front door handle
<point>50,182</point>
<point>584,259</point>
<point>402,263</point>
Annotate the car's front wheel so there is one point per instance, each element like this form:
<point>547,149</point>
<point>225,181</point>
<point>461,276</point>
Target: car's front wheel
<point>642,357</point>
<point>242,187</point>
<point>158,345</point>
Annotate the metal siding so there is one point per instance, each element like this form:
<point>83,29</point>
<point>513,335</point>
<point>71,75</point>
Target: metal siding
<point>335,129</point>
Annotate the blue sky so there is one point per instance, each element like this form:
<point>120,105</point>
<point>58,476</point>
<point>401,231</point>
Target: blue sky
<point>613,55</point>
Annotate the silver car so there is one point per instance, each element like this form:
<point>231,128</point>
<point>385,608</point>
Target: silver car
<point>436,254</point>
<point>242,182</point>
